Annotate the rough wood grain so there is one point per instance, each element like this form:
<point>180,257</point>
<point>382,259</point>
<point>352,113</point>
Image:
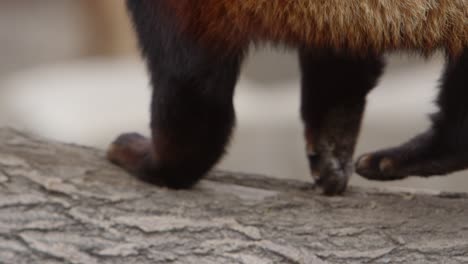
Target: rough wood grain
<point>63,203</point>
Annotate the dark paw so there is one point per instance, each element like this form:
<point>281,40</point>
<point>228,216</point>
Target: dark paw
<point>129,150</point>
<point>379,166</point>
<point>333,182</point>
<point>332,175</point>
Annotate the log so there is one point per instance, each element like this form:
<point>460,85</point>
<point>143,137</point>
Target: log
<point>63,203</point>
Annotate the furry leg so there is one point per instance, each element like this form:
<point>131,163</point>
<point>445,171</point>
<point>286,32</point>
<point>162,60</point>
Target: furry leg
<point>440,150</point>
<point>192,111</point>
<point>334,89</point>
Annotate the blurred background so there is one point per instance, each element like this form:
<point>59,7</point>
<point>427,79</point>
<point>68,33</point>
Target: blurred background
<point>70,71</point>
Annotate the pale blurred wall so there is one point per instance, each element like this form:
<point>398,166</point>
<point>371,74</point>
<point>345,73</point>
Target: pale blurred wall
<point>110,29</point>
<point>35,32</point>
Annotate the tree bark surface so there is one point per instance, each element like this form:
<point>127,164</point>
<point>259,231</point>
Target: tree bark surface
<point>63,203</point>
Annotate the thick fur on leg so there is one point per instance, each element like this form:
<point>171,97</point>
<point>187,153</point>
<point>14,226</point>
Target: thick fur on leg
<point>334,88</point>
<point>440,150</point>
<point>192,108</point>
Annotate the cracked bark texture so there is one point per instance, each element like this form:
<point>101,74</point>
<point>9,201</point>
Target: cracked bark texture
<point>62,203</point>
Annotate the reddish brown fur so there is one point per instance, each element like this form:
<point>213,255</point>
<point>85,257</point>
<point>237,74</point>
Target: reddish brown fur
<point>355,25</point>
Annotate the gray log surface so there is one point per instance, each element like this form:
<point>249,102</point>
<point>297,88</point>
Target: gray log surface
<point>62,203</point>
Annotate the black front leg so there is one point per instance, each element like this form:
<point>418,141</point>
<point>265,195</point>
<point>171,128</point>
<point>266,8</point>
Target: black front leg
<point>334,89</point>
<point>192,113</point>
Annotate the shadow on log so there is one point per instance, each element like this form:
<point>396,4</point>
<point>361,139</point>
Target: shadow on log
<point>62,203</point>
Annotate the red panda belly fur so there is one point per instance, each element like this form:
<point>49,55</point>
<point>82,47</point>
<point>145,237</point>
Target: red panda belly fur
<point>354,25</point>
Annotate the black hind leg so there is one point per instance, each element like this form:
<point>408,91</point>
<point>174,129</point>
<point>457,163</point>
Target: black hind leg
<point>440,150</point>
<point>334,89</point>
<point>192,112</point>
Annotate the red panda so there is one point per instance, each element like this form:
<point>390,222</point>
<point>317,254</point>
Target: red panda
<point>194,51</point>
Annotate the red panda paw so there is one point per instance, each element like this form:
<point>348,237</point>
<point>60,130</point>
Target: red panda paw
<point>425,155</point>
<point>129,151</point>
<point>331,174</point>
